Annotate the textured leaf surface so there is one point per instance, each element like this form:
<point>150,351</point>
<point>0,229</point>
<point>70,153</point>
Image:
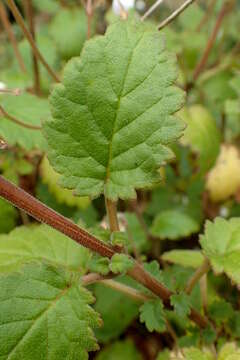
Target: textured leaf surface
<point>172,224</point>
<point>69,31</point>
<point>44,314</point>
<point>221,244</point>
<point>113,113</point>
<point>50,177</point>
<point>201,134</point>
<point>224,179</point>
<point>41,242</point>
<point>188,258</point>
<point>152,314</point>
<point>29,109</point>
<point>120,350</point>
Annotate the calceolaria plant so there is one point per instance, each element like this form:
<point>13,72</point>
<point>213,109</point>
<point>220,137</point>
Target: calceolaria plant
<point>124,163</point>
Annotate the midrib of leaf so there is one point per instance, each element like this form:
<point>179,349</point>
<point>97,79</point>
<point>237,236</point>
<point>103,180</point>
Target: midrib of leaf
<point>117,109</point>
<point>38,318</point>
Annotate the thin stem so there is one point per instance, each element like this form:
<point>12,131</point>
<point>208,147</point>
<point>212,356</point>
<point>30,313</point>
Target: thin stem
<point>175,14</point>
<point>202,270</point>
<point>111,207</point>
<point>91,278</point>
<point>151,9</point>
<point>201,65</point>
<point>17,121</point>
<point>30,17</point>
<point>42,213</point>
<point>19,19</point>
<point>10,33</point>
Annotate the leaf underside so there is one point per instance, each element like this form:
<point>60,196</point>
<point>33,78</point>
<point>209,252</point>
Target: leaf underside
<point>113,113</point>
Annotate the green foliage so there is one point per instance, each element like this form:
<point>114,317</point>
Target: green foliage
<point>29,109</point>
<point>69,30</point>
<point>118,141</point>
<point>120,350</point>
<point>173,225</point>
<point>45,312</point>
<point>181,303</point>
<point>41,243</point>
<point>188,258</point>
<point>8,217</point>
<point>120,263</point>
<point>152,314</point>
<point>221,243</point>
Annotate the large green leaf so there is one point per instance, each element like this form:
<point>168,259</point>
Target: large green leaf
<point>113,113</point>
<point>41,242</point>
<point>44,314</point>
<point>187,258</point>
<point>173,224</point>
<point>221,244</point>
<point>29,109</point>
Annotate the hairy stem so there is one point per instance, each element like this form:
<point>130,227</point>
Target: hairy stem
<point>202,63</point>
<point>111,207</point>
<point>43,213</point>
<point>17,121</point>
<point>202,270</point>
<point>175,14</point>
<point>30,17</point>
<point>10,33</point>
<point>19,19</point>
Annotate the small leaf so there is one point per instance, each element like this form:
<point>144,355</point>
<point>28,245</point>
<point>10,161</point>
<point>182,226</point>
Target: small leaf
<point>152,314</point>
<point>201,134</point>
<point>120,350</point>
<point>45,313</point>
<point>181,303</point>
<point>119,238</point>
<point>29,109</point>
<point>220,311</point>
<point>173,224</point>
<point>120,263</point>
<point>187,258</point>
<point>37,243</point>
<point>114,119</point>
<point>221,244</point>
<point>99,264</point>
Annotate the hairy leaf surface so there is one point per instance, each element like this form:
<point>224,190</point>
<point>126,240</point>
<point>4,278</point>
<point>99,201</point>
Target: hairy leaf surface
<point>113,113</point>
<point>45,314</point>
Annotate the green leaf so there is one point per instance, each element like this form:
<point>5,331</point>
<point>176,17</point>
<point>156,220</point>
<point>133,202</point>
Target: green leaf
<point>69,31</point>
<point>29,109</point>
<point>8,216</point>
<point>45,314</point>
<point>116,309</point>
<point>99,264</point>
<point>113,114</point>
<point>120,350</point>
<point>187,258</point>
<point>181,303</point>
<point>209,335</point>
<point>220,311</point>
<point>201,134</point>
<point>173,224</point>
<point>196,354</point>
<point>137,237</point>
<point>25,244</point>
<point>229,352</point>
<point>221,244</point>
<point>120,263</point>
<point>164,355</point>
<point>50,177</point>
<point>152,314</point>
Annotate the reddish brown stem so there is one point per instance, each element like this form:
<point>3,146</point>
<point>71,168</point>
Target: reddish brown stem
<point>30,17</point>
<point>41,212</point>
<point>10,33</point>
<point>19,19</point>
<point>202,63</point>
